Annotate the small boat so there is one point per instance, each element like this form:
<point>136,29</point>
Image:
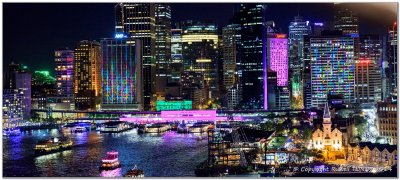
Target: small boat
<point>53,145</point>
<point>134,172</point>
<point>110,162</point>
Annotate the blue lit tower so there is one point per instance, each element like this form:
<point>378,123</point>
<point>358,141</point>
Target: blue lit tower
<point>332,67</point>
<point>121,74</point>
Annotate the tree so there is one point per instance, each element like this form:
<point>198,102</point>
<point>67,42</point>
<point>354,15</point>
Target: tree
<point>307,133</point>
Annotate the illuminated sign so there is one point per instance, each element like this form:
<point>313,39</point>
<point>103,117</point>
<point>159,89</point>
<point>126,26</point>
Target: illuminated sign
<point>203,60</point>
<point>318,24</point>
<point>307,22</point>
<point>280,36</point>
<point>173,105</point>
<point>354,35</point>
<point>120,36</point>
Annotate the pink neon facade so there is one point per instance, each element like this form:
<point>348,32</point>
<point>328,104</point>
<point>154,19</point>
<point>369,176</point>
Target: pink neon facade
<point>177,116</point>
<point>278,59</point>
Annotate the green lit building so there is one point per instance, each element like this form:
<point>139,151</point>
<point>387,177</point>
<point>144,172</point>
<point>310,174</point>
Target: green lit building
<point>173,105</point>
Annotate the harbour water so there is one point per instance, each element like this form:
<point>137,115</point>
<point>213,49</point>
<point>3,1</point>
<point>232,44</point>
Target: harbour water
<point>160,155</point>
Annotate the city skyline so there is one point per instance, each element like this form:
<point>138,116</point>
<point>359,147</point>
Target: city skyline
<point>80,25</point>
<point>200,90</point>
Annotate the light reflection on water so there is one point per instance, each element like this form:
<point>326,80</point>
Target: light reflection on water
<point>159,155</point>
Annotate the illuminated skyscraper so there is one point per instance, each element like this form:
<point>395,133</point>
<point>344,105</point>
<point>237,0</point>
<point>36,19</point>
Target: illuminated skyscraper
<point>122,74</point>
<point>64,62</point>
<point>13,107</point>
<point>298,28</point>
<point>230,49</point>
<point>138,21</point>
<point>346,21</point>
<point>368,70</point>
<point>20,80</point>
<point>368,86</point>
<point>253,51</point>
<point>87,74</point>
<point>332,67</point>
<point>277,55</point>
<point>176,55</point>
<point>392,57</point>
<point>199,49</point>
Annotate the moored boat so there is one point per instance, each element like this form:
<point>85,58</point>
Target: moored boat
<point>134,172</point>
<point>110,162</point>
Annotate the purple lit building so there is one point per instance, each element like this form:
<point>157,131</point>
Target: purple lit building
<point>277,54</point>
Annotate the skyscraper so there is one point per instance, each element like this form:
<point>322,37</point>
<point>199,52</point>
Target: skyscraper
<point>346,21</point>
<point>19,79</point>
<point>87,74</point>
<point>392,57</point>
<point>253,51</point>
<point>121,74</point>
<point>138,21</point>
<point>199,49</point>
<point>368,69</point>
<point>368,86</point>
<point>64,62</point>
<point>277,55</point>
<point>176,55</point>
<point>298,28</point>
<point>230,49</point>
<point>332,67</point>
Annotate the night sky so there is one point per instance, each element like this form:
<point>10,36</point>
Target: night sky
<point>32,31</point>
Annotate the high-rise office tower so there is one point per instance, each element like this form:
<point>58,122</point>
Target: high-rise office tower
<point>176,55</point>
<point>122,74</point>
<point>392,57</point>
<point>230,49</point>
<point>368,70</point>
<point>277,55</point>
<point>298,28</point>
<point>23,81</point>
<point>368,86</point>
<point>347,22</point>
<point>253,51</point>
<point>307,73</point>
<point>43,85</point>
<point>332,67</point>
<point>138,21</point>
<point>64,62</point>
<point>13,107</point>
<point>19,78</point>
<point>162,48</point>
<point>87,75</point>
<point>199,49</point>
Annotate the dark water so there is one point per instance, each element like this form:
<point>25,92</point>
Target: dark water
<point>169,154</point>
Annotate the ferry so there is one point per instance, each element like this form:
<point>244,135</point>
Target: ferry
<point>134,172</point>
<point>12,132</point>
<point>110,162</point>
<point>156,128</point>
<point>79,129</point>
<point>53,145</point>
<point>198,128</point>
<point>115,127</point>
